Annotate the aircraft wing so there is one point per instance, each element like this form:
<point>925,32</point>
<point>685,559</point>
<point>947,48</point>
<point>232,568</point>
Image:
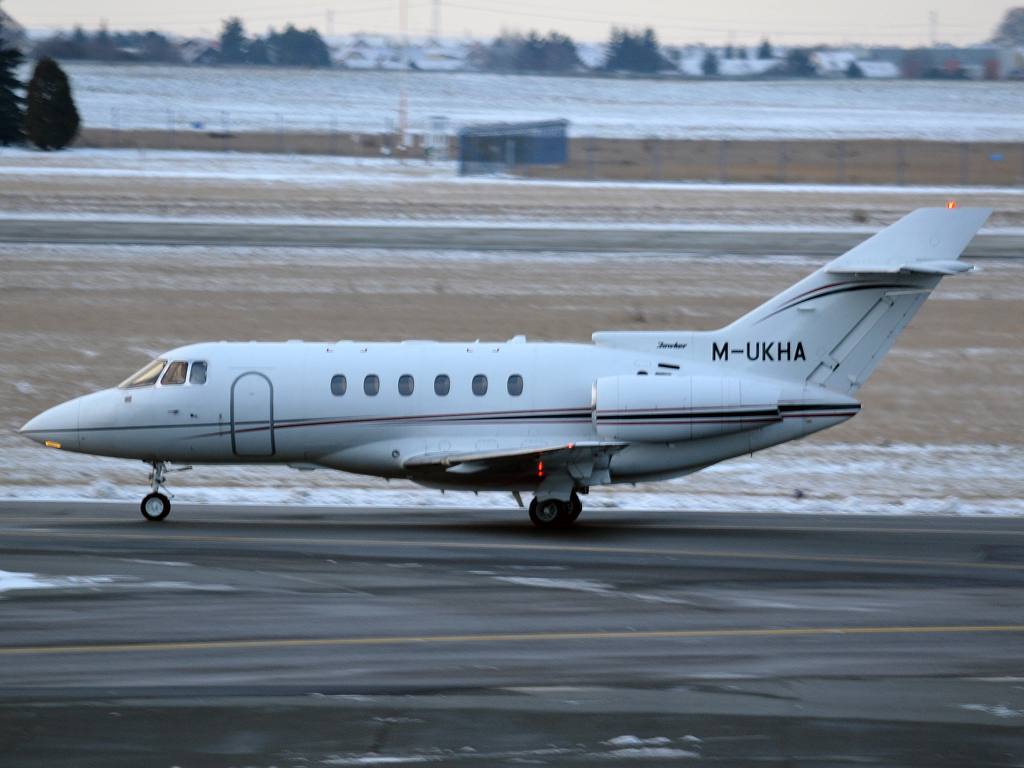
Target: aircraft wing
<point>583,461</point>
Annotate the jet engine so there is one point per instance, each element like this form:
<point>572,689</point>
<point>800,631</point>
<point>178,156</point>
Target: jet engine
<point>665,409</point>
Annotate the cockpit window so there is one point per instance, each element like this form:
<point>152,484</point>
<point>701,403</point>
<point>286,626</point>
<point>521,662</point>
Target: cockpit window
<point>146,377</point>
<point>198,375</point>
<point>175,373</point>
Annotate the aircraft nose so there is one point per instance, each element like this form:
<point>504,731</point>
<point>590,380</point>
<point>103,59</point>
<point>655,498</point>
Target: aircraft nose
<point>57,427</point>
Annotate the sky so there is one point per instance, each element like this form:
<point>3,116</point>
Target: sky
<point>742,22</point>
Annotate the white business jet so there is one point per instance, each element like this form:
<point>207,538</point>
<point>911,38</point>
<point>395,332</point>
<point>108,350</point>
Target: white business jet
<point>550,419</point>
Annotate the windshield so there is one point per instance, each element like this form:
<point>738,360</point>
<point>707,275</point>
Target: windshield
<point>144,378</point>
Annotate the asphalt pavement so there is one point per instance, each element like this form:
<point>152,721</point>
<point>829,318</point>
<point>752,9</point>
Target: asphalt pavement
<point>290,636</point>
<point>743,242</point>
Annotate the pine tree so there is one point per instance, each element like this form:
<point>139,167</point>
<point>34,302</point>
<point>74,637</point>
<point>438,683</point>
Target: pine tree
<point>1011,28</point>
<point>232,42</point>
<point>709,65</point>
<point>11,117</point>
<point>634,52</point>
<point>51,119</point>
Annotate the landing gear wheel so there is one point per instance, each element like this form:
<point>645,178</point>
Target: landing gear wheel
<point>550,513</point>
<point>156,507</point>
<point>575,507</point>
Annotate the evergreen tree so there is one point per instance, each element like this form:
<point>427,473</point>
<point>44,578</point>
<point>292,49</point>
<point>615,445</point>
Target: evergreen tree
<point>299,49</point>
<point>232,42</point>
<point>709,66</point>
<point>854,70</point>
<point>798,64</point>
<point>554,53</point>
<point>765,51</point>
<point>634,52</point>
<point>1011,28</point>
<point>11,116</point>
<point>51,119</point>
<point>257,53</point>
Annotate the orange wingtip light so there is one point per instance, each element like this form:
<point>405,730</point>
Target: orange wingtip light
<point>951,204</point>
<point>52,445</point>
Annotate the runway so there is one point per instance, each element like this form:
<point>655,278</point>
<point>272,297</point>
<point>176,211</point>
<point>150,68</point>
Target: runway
<point>740,242</point>
<point>280,636</point>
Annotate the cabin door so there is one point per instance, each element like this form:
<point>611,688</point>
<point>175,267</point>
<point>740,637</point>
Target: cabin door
<point>252,415</point>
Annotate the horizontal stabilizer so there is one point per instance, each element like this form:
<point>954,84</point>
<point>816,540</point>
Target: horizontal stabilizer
<point>955,267</point>
<point>927,241</point>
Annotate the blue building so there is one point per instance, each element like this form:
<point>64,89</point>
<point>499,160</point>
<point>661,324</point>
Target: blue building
<point>500,147</point>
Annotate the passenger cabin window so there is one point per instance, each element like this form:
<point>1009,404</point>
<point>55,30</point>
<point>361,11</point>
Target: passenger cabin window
<point>144,378</point>
<point>338,385</point>
<point>175,373</point>
<point>198,375</point>
<point>371,385</point>
<point>442,385</point>
<point>479,385</point>
<point>405,385</point>
<point>515,385</point>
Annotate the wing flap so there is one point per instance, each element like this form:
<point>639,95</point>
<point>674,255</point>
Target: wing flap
<point>563,456</point>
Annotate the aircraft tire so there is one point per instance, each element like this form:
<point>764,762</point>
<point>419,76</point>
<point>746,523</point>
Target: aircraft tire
<point>575,507</point>
<point>155,507</point>
<point>550,513</point>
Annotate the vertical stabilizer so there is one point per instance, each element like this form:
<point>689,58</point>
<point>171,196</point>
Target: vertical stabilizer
<point>834,327</point>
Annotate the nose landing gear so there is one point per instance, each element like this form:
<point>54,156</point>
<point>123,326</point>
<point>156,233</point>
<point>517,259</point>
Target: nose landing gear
<point>156,506</point>
<point>555,513</point>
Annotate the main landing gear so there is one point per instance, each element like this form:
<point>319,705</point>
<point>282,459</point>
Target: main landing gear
<point>555,513</point>
<point>156,506</point>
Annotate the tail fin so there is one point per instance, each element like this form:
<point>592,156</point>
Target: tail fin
<point>834,327</point>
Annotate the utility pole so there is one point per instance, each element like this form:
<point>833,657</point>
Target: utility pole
<point>933,27</point>
<point>403,23</point>
<point>329,18</point>
<point>435,25</point>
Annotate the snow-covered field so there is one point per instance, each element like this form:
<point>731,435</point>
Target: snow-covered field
<point>326,170</point>
<point>300,189</point>
<point>155,97</point>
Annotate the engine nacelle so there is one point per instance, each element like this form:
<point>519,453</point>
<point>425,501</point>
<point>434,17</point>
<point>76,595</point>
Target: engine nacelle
<point>666,409</point>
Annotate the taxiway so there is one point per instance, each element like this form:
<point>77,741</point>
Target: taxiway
<point>256,636</point>
<point>741,242</point>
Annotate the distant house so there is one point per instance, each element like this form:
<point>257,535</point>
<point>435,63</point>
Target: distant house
<point>749,67</point>
<point>201,52</point>
<point>837,64</point>
<point>592,55</point>
<point>878,70</point>
<point>691,62</point>
<point>377,52</point>
<point>436,56</point>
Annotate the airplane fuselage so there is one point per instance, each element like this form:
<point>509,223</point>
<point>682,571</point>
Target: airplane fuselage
<point>283,403</point>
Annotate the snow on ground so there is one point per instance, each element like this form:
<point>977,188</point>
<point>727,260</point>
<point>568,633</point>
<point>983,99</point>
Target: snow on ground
<point>803,477</point>
<point>215,99</point>
<point>322,172</point>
